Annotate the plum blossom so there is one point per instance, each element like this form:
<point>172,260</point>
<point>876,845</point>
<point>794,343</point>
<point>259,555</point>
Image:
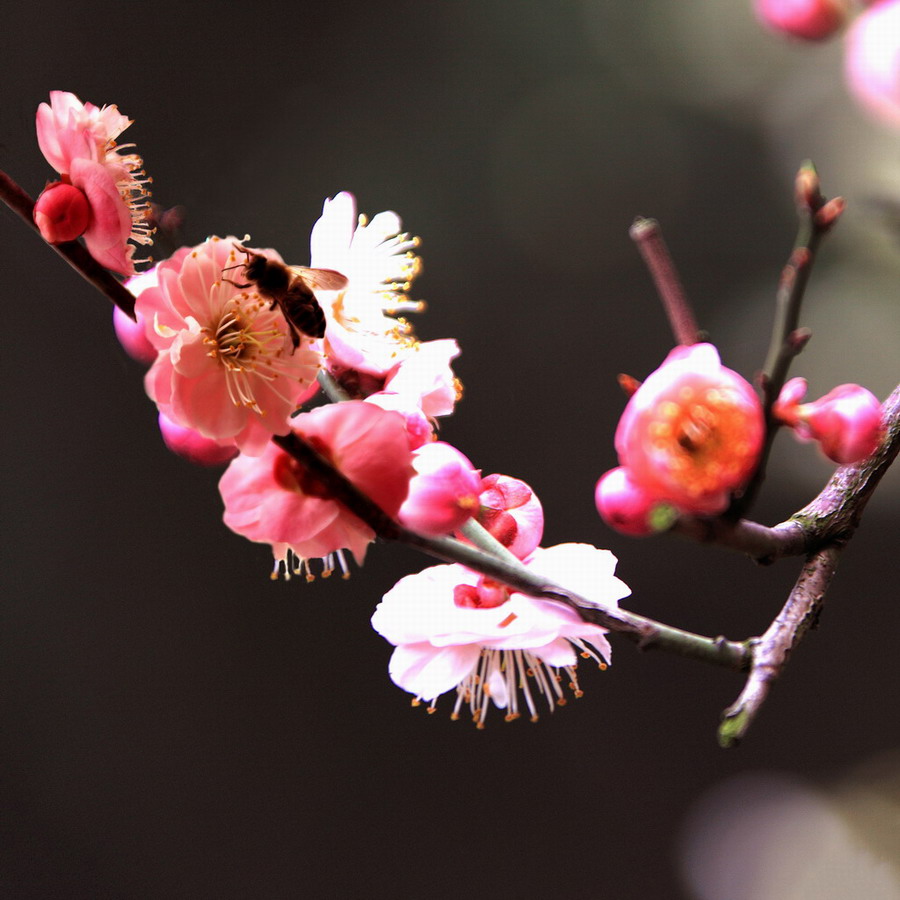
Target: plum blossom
<point>79,141</point>
<point>872,60</point>
<point>369,345</point>
<point>846,422</point>
<point>692,432</point>
<point>452,628</point>
<point>226,366</point>
<point>270,498</point>
<point>511,511</point>
<point>443,494</point>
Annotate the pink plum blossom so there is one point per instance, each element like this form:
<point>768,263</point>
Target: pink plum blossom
<point>810,20</point>
<point>418,427</point>
<point>872,60</point>
<point>846,422</point>
<point>692,432</point>
<point>454,629</point>
<point>628,508</point>
<point>443,494</point>
<point>226,366</point>
<point>270,498</point>
<point>511,511</point>
<point>192,446</point>
<point>61,213</point>
<point>79,141</point>
<point>423,376</point>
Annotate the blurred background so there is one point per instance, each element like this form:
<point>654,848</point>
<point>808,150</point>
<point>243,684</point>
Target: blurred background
<point>176,725</point>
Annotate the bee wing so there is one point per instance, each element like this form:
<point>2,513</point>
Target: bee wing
<point>320,279</point>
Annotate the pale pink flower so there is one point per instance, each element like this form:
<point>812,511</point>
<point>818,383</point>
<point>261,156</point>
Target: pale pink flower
<point>193,446</point>
<point>380,265</point>
<point>270,498</point>
<point>452,628</point>
<point>226,365</point>
<point>692,432</point>
<point>628,508</point>
<point>510,510</point>
<point>846,422</point>
<point>423,375</point>
<point>811,20</point>
<point>872,60</point>
<point>79,141</point>
<point>443,494</point>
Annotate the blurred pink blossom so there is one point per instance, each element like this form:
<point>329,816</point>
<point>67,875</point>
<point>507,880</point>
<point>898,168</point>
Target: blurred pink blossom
<point>452,628</point>
<point>628,508</point>
<point>193,446</point>
<point>811,20</point>
<point>270,498</point>
<point>872,60</point>
<point>226,366</point>
<point>692,432</point>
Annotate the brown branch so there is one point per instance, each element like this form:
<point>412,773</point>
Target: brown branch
<point>646,633</point>
<point>75,254</point>
<point>647,234</point>
<point>772,651</point>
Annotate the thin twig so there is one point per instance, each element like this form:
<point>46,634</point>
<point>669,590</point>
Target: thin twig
<point>816,218</point>
<point>75,254</point>
<point>647,234</point>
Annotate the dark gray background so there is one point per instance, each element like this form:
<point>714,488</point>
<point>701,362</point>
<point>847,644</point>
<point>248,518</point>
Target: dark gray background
<point>175,725</point>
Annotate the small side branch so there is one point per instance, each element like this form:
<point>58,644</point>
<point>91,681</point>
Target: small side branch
<point>75,254</point>
<point>647,234</point>
<point>772,651</point>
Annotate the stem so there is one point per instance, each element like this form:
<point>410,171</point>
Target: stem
<point>75,254</point>
<point>788,340</point>
<point>647,234</point>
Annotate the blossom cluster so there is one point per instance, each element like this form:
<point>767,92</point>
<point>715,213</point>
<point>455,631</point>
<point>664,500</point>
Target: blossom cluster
<point>247,357</point>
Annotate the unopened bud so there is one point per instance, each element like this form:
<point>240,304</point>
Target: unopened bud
<point>807,188</point>
<point>629,508</point>
<point>61,213</point>
<point>829,213</point>
<point>809,20</point>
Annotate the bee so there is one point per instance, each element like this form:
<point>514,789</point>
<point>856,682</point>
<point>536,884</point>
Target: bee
<point>290,288</point>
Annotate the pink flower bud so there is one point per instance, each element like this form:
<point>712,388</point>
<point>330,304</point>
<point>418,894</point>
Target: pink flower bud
<point>872,60</point>
<point>811,20</point>
<point>512,513</point>
<point>132,336</point>
<point>692,433</point>
<point>193,446</point>
<point>628,508</point>
<point>443,493</point>
<point>846,421</point>
<point>61,213</point>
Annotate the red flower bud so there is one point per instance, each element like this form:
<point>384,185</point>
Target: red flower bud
<point>61,213</point>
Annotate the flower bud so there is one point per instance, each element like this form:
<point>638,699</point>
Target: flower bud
<point>846,422</point>
<point>628,508</point>
<point>193,446</point>
<point>443,493</point>
<point>810,20</point>
<point>512,513</point>
<point>61,213</point>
